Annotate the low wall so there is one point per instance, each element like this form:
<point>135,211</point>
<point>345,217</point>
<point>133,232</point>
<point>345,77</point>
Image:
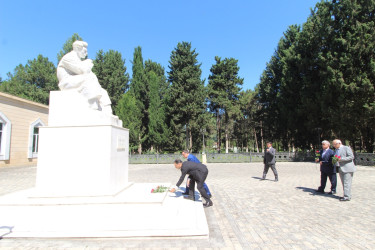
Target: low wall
<point>364,159</point>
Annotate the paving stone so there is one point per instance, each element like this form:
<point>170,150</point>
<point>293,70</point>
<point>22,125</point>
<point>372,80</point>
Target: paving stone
<point>247,213</point>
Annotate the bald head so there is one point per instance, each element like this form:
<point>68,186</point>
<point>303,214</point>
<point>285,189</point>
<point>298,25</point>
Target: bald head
<point>337,143</point>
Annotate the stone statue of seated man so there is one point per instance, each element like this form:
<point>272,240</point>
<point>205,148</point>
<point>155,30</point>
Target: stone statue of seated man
<point>75,73</point>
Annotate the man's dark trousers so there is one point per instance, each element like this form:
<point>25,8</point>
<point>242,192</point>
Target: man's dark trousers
<point>200,179</point>
<point>266,167</point>
<point>323,181</point>
<point>327,170</point>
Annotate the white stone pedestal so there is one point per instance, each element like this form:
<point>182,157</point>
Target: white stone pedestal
<point>82,161</point>
<point>135,212</point>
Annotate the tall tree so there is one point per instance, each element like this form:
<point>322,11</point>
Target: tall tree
<point>128,111</point>
<point>157,130</point>
<point>160,72</point>
<point>68,46</point>
<point>33,80</point>
<point>139,90</point>
<point>224,87</point>
<point>157,85</point>
<point>325,87</point>
<point>247,123</point>
<point>110,69</point>
<point>186,95</point>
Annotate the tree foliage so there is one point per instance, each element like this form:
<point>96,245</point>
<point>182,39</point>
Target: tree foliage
<point>110,69</point>
<point>224,87</point>
<point>185,97</point>
<point>128,111</point>
<point>320,82</point>
<point>138,89</point>
<point>32,81</point>
<point>157,129</point>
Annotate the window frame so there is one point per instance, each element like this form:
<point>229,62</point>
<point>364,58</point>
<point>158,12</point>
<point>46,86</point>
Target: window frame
<point>37,123</point>
<point>5,139</point>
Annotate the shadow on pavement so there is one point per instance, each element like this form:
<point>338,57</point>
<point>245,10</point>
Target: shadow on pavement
<point>313,192</point>
<point>6,228</point>
<point>259,178</point>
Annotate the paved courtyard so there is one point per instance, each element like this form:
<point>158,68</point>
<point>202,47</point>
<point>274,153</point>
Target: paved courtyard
<point>247,213</point>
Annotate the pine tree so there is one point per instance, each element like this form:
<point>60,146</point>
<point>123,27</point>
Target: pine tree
<point>33,80</point>
<point>224,87</point>
<point>128,111</point>
<point>185,96</point>
<point>325,88</point>
<point>110,69</point>
<point>139,90</point>
<point>157,130</point>
<point>160,72</point>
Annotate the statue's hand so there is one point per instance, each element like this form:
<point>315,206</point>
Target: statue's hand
<point>88,65</point>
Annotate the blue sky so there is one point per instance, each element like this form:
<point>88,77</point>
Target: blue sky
<point>247,30</point>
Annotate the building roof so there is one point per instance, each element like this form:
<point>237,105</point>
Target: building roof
<point>16,98</point>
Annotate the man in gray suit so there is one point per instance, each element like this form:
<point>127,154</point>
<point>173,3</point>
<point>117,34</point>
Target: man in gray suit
<point>269,161</point>
<point>347,168</point>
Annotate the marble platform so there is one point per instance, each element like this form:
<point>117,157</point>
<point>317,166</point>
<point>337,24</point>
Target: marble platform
<point>135,212</point>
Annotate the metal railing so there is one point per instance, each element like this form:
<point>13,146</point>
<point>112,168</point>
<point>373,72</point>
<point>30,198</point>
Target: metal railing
<point>364,159</point>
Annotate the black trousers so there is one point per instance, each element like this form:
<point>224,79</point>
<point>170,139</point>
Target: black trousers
<point>200,179</point>
<point>323,181</point>
<point>266,167</point>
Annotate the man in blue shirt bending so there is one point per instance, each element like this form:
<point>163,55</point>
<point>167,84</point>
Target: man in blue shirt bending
<point>192,158</point>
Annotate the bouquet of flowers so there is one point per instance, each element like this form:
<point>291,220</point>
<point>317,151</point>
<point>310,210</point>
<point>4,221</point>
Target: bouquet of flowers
<point>335,159</point>
<point>159,189</point>
<point>317,155</point>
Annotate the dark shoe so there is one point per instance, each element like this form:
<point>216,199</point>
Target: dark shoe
<point>344,199</point>
<point>185,193</point>
<point>332,192</point>
<point>319,191</point>
<point>189,198</point>
<point>276,179</point>
<point>208,203</point>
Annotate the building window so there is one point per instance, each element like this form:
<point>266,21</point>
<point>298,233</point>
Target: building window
<point>1,133</point>
<point>34,138</point>
<point>5,130</point>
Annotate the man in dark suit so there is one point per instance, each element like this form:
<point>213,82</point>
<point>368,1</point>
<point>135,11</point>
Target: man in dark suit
<point>326,168</point>
<point>270,161</point>
<point>198,174</point>
<point>193,158</point>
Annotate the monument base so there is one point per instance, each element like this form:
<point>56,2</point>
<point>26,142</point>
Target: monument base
<point>82,161</point>
<point>135,212</point>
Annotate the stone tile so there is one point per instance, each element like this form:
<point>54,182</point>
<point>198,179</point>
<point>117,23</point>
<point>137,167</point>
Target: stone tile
<point>247,213</point>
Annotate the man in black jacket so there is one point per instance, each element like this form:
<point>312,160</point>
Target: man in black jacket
<point>269,161</point>
<point>198,173</point>
<point>326,168</point>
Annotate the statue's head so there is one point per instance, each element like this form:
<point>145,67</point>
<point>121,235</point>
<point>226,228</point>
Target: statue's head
<point>81,48</point>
